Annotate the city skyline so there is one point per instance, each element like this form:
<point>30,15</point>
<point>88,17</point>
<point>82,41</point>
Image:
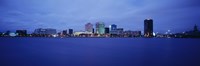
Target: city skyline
<point>177,16</point>
<point>88,27</point>
<point>101,30</point>
<point>93,28</point>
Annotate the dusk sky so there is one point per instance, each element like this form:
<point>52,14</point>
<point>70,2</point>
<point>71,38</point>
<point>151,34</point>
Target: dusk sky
<point>176,15</point>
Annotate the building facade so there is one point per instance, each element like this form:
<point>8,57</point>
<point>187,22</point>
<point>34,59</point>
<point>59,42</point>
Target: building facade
<point>113,27</point>
<point>71,31</point>
<point>64,32</point>
<point>89,27</point>
<point>107,30</point>
<point>148,28</point>
<point>100,28</point>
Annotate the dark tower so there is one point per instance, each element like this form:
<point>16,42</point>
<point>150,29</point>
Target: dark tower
<point>107,30</point>
<point>70,31</point>
<point>113,27</point>
<point>148,28</point>
<point>64,32</point>
<point>92,30</point>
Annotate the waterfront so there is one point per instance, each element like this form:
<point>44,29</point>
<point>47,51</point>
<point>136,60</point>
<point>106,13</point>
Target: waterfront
<point>18,51</point>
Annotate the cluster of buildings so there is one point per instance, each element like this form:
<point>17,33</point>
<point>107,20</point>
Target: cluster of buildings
<point>100,30</point>
<point>91,30</point>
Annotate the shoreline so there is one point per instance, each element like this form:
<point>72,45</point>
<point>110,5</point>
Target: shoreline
<point>106,37</point>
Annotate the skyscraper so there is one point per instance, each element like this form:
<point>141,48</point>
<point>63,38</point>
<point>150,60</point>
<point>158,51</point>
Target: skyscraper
<point>100,28</point>
<point>107,30</point>
<point>89,27</point>
<point>113,27</point>
<point>92,30</point>
<point>71,31</point>
<point>148,28</point>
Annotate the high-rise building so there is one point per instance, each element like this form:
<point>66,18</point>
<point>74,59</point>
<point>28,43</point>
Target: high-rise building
<point>113,27</point>
<point>21,32</point>
<point>89,27</point>
<point>92,30</point>
<point>64,32</point>
<point>148,28</point>
<point>100,28</point>
<point>71,31</point>
<point>107,30</point>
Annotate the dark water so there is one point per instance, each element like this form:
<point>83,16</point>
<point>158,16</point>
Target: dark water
<point>99,52</point>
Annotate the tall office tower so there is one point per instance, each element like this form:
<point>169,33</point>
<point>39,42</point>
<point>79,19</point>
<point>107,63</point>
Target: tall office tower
<point>71,31</point>
<point>148,28</point>
<point>89,27</point>
<point>113,27</point>
<point>107,30</point>
<point>92,30</point>
<point>100,28</point>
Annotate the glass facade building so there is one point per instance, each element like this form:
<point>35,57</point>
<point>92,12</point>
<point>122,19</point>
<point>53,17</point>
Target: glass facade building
<point>100,28</point>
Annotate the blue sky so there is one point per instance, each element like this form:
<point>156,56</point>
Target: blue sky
<point>176,15</point>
